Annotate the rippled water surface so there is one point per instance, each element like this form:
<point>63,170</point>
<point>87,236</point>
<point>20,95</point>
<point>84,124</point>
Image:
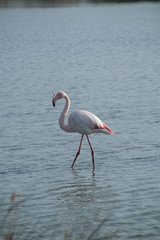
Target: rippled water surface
<point>107,59</point>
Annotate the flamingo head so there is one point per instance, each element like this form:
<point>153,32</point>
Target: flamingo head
<point>58,96</point>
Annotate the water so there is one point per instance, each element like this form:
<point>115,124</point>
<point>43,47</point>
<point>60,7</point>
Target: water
<point>106,58</point>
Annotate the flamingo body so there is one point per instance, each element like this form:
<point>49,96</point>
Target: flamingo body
<point>82,122</point>
<point>87,123</point>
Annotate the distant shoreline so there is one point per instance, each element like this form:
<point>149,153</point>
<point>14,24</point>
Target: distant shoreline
<point>52,3</point>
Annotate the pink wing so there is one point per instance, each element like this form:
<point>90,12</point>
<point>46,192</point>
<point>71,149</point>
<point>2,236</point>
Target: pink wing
<point>87,123</point>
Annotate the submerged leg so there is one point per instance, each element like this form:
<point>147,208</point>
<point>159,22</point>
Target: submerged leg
<point>92,152</point>
<point>79,150</point>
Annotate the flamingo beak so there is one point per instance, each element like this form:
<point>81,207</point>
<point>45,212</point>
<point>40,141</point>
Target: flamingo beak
<point>54,101</point>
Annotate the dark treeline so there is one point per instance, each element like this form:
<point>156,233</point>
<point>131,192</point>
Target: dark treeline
<point>28,3</point>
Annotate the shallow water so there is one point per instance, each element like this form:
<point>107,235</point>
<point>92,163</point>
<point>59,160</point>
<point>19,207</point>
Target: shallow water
<point>107,60</point>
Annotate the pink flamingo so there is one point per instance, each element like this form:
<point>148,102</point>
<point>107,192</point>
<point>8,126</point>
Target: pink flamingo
<point>82,122</point>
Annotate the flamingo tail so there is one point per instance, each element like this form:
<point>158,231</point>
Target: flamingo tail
<point>104,129</point>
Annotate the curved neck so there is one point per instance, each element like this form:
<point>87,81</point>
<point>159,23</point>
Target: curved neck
<point>63,115</point>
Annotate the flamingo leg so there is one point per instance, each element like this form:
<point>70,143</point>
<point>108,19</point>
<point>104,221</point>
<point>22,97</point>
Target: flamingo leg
<point>92,152</point>
<point>79,150</point>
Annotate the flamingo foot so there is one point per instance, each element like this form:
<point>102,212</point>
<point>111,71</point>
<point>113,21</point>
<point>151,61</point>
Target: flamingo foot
<point>92,152</point>
<point>93,161</point>
<point>79,150</point>
<point>75,159</point>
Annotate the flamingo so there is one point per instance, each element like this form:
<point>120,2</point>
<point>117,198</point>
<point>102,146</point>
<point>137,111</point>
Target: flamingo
<point>82,122</point>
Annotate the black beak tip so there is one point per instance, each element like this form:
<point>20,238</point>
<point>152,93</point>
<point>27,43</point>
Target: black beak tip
<point>53,103</point>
